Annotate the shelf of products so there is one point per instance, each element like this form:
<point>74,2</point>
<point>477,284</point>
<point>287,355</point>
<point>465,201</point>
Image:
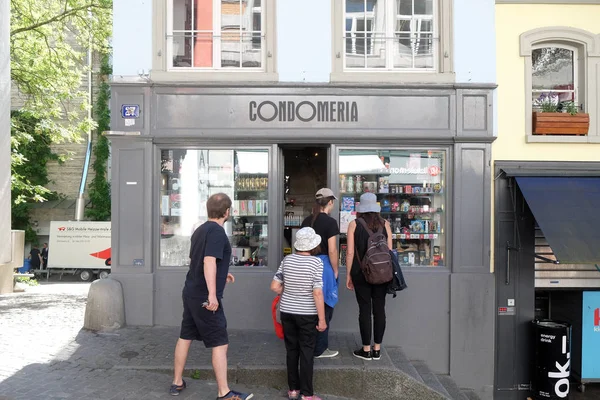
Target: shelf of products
<point>409,186</point>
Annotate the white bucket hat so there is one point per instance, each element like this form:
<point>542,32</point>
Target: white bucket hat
<point>368,203</point>
<point>306,239</point>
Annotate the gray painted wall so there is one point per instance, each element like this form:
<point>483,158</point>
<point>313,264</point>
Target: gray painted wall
<point>5,223</point>
<point>445,317</point>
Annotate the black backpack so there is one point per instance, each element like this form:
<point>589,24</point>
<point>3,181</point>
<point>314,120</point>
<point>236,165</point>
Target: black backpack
<point>376,265</point>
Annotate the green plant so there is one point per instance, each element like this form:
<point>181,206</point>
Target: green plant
<point>30,153</point>
<point>100,187</point>
<point>570,107</point>
<point>195,374</point>
<point>27,280</point>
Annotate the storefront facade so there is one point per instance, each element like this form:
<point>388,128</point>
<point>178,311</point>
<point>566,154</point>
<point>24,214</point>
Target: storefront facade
<point>433,143</point>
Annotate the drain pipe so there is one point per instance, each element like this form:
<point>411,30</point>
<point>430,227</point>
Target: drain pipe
<point>80,203</point>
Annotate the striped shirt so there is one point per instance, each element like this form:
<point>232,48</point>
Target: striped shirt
<point>300,275</point>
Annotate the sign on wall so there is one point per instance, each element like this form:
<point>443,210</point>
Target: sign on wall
<point>79,244</point>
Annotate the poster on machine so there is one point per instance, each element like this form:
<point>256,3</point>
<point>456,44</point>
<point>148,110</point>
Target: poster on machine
<point>79,244</point>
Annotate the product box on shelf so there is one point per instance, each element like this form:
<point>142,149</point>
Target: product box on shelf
<point>370,186</point>
<point>251,209</point>
<point>384,184</point>
<point>235,208</point>
<point>347,204</point>
<point>243,207</point>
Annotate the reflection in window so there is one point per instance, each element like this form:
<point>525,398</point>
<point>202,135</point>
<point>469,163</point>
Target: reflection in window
<point>190,177</point>
<point>553,77</point>
<point>216,33</point>
<point>410,188</point>
<point>389,34</point>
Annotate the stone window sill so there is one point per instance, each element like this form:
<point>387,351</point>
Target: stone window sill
<point>562,139</point>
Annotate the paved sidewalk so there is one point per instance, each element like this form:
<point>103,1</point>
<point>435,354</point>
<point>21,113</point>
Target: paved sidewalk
<point>45,355</point>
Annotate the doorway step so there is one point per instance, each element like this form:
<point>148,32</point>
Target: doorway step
<point>419,371</point>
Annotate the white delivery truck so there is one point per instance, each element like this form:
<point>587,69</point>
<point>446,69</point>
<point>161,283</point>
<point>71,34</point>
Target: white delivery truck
<point>80,248</point>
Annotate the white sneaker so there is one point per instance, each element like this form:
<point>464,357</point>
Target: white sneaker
<point>328,354</point>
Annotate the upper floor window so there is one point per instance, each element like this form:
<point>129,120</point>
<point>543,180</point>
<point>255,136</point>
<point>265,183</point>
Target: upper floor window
<point>390,35</point>
<point>560,81</point>
<point>554,76</point>
<point>215,34</point>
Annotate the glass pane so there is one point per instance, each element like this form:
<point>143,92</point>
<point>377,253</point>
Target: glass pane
<point>203,50</point>
<point>355,50</point>
<point>552,68</point>
<point>423,49</point>
<point>182,15</point>
<point>409,185</point>
<point>376,51</point>
<point>182,50</point>
<point>190,177</point>
<point>232,12</point>
<point>540,97</point>
<point>230,49</point>
<point>423,7</point>
<point>256,27</point>
<point>251,50</point>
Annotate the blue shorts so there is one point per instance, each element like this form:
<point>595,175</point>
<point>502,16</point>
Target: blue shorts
<point>201,324</point>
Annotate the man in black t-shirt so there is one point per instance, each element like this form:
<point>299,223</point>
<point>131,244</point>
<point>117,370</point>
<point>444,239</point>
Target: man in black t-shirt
<point>203,316</point>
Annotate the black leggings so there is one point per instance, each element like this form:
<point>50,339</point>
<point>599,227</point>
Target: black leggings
<point>300,336</point>
<point>371,301</point>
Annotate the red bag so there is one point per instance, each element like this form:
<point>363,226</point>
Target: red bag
<point>276,320</point>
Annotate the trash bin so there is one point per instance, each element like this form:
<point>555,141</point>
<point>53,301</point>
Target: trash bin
<point>552,359</point>
<point>26,266</point>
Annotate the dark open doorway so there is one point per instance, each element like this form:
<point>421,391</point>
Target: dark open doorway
<point>305,172</point>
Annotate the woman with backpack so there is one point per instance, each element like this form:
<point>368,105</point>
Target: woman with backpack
<point>362,232</point>
<point>299,281</point>
<point>326,227</point>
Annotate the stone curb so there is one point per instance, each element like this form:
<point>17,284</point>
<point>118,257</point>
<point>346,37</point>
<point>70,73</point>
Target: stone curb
<point>353,382</point>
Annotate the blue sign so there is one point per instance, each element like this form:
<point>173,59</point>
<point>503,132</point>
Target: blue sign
<point>590,340</point>
<point>130,111</point>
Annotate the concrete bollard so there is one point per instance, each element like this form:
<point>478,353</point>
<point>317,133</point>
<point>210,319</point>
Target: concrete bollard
<point>105,309</point>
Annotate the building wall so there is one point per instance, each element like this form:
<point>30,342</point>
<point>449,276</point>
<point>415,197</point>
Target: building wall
<point>5,249</point>
<point>304,40</point>
<point>512,20</point>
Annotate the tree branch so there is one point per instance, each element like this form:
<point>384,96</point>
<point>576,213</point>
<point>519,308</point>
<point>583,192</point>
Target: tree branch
<point>56,18</point>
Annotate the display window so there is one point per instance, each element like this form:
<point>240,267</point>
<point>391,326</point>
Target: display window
<point>190,177</point>
<point>410,188</point>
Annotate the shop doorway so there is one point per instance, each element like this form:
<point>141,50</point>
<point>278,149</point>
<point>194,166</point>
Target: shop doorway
<point>305,170</point>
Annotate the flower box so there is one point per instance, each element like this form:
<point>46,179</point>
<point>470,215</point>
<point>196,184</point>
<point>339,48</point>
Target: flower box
<point>548,123</point>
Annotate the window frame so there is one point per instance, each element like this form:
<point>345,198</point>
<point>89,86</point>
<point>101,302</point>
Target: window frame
<point>576,69</point>
<point>390,18</point>
<point>157,193</point>
<point>448,195</point>
<point>162,70</point>
<point>441,73</point>
<point>588,46</point>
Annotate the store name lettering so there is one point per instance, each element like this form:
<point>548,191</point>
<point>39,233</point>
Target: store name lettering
<point>304,111</point>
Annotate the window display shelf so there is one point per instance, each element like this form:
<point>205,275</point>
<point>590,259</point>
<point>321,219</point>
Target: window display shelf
<point>357,194</point>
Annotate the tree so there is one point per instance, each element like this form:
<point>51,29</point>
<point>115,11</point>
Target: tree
<point>49,43</point>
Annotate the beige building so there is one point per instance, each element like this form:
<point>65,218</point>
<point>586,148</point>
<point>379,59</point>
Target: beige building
<point>545,185</point>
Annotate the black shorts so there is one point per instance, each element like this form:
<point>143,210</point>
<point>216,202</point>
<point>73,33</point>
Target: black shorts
<point>201,324</point>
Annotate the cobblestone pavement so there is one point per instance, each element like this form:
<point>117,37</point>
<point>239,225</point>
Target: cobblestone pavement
<point>45,355</point>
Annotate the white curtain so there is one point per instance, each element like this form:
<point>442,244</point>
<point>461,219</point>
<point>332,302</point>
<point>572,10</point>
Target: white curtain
<point>379,28</point>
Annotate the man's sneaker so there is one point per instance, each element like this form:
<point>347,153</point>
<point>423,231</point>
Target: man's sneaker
<point>293,394</point>
<point>376,354</point>
<point>365,355</point>
<point>174,390</point>
<point>233,395</point>
<point>328,354</point>
<point>313,397</point>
